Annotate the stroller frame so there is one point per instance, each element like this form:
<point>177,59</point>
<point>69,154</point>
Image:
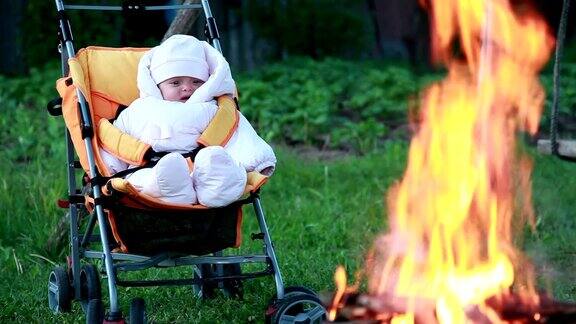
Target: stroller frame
<point>79,242</point>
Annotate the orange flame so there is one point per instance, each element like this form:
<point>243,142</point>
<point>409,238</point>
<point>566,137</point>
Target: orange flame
<point>453,214</point>
<point>340,280</point>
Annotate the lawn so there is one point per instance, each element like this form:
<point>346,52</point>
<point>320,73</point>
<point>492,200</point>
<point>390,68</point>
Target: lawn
<point>321,215</point>
<point>322,212</point>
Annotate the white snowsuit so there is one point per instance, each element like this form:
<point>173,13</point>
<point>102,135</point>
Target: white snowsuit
<point>219,174</point>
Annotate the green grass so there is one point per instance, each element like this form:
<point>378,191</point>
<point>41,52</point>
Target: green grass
<point>321,213</point>
<point>319,216</point>
<point>553,246</point>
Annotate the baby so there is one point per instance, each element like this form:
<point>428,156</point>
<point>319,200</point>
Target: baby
<point>178,82</point>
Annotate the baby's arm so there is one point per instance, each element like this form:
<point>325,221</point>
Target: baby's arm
<point>182,124</point>
<point>113,164</point>
<point>165,125</point>
<point>194,116</point>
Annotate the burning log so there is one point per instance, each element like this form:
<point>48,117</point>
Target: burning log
<point>509,308</point>
<point>547,310</point>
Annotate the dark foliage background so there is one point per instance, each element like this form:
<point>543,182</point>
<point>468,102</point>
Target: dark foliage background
<point>280,28</point>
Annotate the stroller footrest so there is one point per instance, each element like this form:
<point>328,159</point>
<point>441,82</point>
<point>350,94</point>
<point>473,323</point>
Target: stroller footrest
<point>190,281</point>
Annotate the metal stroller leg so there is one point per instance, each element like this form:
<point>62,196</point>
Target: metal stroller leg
<point>68,51</point>
<point>73,217</point>
<point>108,262</point>
<point>269,248</point>
<point>74,250</point>
<point>219,269</point>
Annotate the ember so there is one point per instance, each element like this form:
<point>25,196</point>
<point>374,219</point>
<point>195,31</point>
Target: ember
<point>449,256</point>
<point>359,308</point>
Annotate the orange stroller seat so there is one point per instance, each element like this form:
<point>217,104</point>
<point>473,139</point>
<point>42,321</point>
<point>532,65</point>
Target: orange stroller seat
<point>106,79</point>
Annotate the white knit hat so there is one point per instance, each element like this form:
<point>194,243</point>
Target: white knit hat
<point>179,55</point>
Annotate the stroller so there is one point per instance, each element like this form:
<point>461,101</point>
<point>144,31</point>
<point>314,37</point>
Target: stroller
<point>136,232</point>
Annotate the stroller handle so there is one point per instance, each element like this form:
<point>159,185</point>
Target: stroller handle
<point>132,7</point>
<point>129,6</point>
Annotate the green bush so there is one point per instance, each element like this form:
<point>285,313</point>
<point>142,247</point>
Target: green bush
<point>33,148</point>
<point>330,103</point>
<point>26,129</point>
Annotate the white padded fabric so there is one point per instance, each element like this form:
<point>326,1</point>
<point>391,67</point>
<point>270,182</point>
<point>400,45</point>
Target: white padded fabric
<point>169,180</point>
<point>218,179</point>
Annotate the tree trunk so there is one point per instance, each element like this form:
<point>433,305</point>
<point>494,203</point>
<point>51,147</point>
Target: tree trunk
<point>182,23</point>
<point>11,48</point>
<point>395,25</point>
<point>374,19</point>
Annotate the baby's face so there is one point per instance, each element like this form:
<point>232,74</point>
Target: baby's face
<point>179,88</point>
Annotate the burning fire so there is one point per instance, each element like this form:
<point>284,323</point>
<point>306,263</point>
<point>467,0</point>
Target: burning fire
<point>466,189</point>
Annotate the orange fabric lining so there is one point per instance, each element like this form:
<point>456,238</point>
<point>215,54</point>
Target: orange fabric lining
<point>226,139</point>
<point>255,181</point>
<point>106,108</point>
<point>225,104</point>
<point>89,203</point>
<point>239,229</point>
<point>233,128</point>
<point>259,184</point>
<point>125,147</point>
<point>115,234</point>
<point>93,70</point>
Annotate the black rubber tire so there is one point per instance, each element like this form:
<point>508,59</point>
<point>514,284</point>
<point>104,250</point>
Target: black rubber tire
<point>207,289</point>
<point>299,308</point>
<point>59,291</point>
<point>289,292</point>
<point>94,312</point>
<point>138,311</point>
<point>233,288</point>
<point>89,284</point>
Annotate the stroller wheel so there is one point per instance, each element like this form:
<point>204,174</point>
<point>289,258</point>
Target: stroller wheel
<point>138,312</point>
<point>233,288</point>
<point>299,308</point>
<point>289,292</point>
<point>94,312</point>
<point>89,284</point>
<point>206,289</point>
<point>59,289</point>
